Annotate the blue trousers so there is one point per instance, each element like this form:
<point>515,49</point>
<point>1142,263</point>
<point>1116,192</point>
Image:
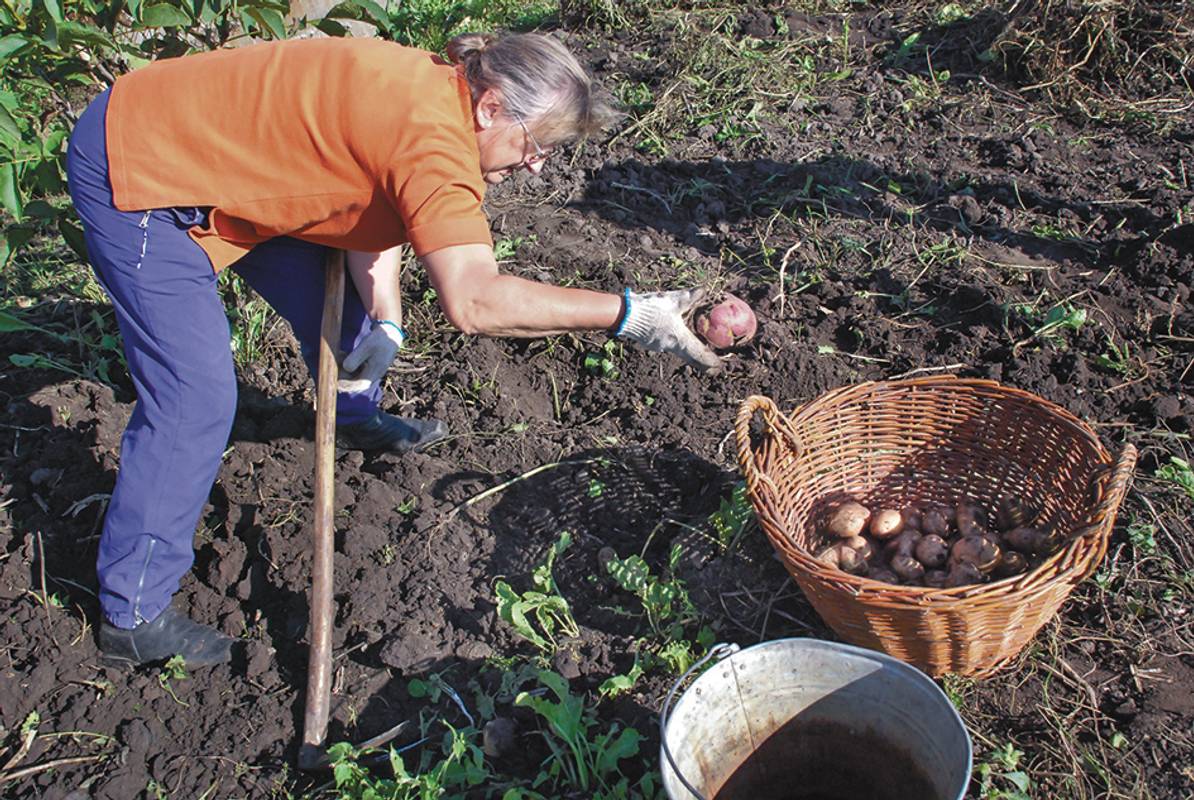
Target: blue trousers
<point>178,347</point>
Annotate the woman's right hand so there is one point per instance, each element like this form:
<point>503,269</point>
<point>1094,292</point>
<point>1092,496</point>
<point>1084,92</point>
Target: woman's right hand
<point>655,321</point>
<point>477,298</point>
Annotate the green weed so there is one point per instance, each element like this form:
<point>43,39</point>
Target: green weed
<point>505,249</point>
<point>99,346</point>
<point>949,13</point>
<point>947,252</point>
<point>1142,535</point>
<point>1002,778</point>
<point>733,516</point>
<point>619,684</point>
<point>635,97</point>
<point>583,758</point>
<point>604,362</point>
<point>665,601</point>
<point>1178,472</point>
<point>429,24</point>
<point>250,318</point>
<point>730,83</point>
<point>1051,326</point>
<point>1116,359</point>
<point>461,766</point>
<point>537,614</point>
<point>175,669</point>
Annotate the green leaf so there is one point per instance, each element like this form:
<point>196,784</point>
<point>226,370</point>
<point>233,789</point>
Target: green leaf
<point>73,235</point>
<point>269,20</point>
<point>9,323</point>
<point>49,36</point>
<point>13,240</point>
<point>70,32</point>
<point>631,573</point>
<point>417,688</point>
<point>625,746</point>
<point>372,11</point>
<point>1019,780</point>
<point>9,129</point>
<point>11,45</point>
<point>343,773</point>
<point>40,209</point>
<point>10,197</point>
<point>1178,471</point>
<point>162,15</point>
<point>46,177</point>
<point>53,144</point>
<point>331,27</point>
<point>135,8</point>
<point>54,9</point>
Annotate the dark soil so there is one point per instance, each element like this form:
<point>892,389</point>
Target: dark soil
<point>878,198</point>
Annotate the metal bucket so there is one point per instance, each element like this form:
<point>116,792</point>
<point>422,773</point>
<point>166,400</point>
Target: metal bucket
<point>804,718</point>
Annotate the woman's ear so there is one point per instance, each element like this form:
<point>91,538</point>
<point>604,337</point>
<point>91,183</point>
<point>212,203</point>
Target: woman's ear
<point>489,105</point>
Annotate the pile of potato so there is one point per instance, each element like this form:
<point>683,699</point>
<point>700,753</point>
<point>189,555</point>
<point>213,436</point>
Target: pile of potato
<point>935,546</point>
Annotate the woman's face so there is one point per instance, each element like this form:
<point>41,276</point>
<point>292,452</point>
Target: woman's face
<point>507,143</point>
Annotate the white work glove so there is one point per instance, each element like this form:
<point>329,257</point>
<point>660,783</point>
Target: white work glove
<point>368,362</point>
<point>655,321</point>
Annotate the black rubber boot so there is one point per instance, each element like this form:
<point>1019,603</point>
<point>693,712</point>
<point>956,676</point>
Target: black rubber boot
<point>385,431</point>
<point>171,633</point>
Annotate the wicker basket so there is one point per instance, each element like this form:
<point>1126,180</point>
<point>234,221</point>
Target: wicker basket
<point>932,440</point>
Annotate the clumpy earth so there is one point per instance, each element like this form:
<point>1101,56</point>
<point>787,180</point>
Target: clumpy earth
<point>875,235</point>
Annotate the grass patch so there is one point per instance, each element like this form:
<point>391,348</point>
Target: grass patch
<point>728,87</point>
<point>1129,59</point>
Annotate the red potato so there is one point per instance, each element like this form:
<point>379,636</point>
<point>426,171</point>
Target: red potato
<point>847,520</point>
<point>860,545</point>
<point>963,573</point>
<point>936,522</point>
<point>1011,563</point>
<point>904,544</point>
<point>970,518</point>
<point>907,567</point>
<point>1031,540</point>
<point>839,556</point>
<point>935,578</point>
<point>728,324</point>
<point>932,551</point>
<point>978,551</point>
<point>1015,512</point>
<point>886,523</point>
<point>883,575</point>
<point>911,517</point>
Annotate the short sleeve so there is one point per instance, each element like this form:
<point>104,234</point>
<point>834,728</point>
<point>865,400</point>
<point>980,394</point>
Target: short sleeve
<point>438,191</point>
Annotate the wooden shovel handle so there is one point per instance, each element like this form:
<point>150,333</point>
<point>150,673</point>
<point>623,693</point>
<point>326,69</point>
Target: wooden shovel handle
<point>319,664</point>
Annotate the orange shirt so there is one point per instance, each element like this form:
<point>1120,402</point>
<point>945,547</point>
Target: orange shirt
<point>360,144</point>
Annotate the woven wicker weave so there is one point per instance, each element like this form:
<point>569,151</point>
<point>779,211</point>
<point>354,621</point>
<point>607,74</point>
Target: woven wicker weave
<point>932,440</point>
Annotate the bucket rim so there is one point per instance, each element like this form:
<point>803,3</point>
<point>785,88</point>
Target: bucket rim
<point>885,660</point>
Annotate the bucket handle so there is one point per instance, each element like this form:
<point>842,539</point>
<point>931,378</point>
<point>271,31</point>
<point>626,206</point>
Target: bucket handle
<point>718,651</point>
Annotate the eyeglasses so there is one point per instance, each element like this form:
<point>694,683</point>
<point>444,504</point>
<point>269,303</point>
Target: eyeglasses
<point>540,155</point>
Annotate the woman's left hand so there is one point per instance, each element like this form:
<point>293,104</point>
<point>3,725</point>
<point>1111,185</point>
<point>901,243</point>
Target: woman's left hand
<point>368,362</point>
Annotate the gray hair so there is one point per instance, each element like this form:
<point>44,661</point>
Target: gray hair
<point>538,79</point>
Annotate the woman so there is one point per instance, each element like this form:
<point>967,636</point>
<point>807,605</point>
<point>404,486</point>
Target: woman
<point>258,160</point>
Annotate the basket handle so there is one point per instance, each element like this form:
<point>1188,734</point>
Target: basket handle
<point>1108,485</point>
<point>776,421</point>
